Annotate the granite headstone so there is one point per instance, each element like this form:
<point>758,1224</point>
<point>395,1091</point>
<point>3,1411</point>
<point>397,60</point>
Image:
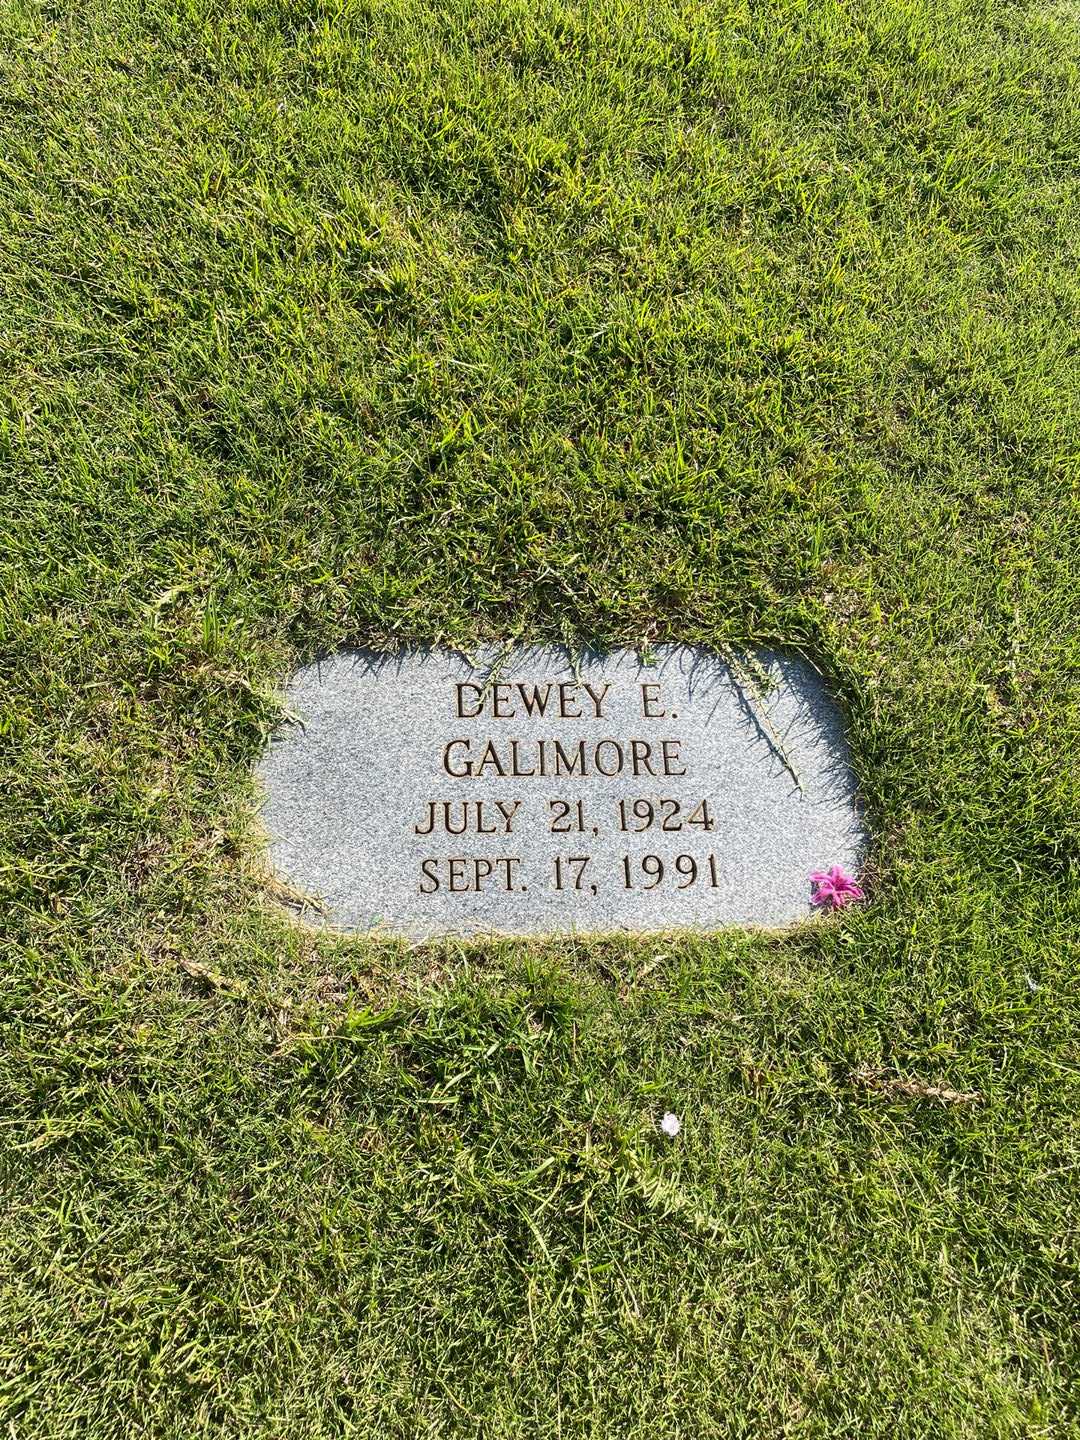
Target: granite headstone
<point>533,793</point>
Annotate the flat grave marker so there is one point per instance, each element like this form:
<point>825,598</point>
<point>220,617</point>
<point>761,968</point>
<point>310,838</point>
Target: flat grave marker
<point>421,794</point>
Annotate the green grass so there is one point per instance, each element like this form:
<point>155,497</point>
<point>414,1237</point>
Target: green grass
<point>325,322</point>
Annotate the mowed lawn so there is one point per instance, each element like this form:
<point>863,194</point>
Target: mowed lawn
<point>327,322</point>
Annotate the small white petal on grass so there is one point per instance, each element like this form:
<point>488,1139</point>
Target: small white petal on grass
<point>1032,983</point>
<point>670,1124</point>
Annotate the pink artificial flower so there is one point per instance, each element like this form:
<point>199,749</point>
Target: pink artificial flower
<point>834,888</point>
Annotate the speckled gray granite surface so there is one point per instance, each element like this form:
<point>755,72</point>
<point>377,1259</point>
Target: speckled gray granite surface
<point>423,795</point>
